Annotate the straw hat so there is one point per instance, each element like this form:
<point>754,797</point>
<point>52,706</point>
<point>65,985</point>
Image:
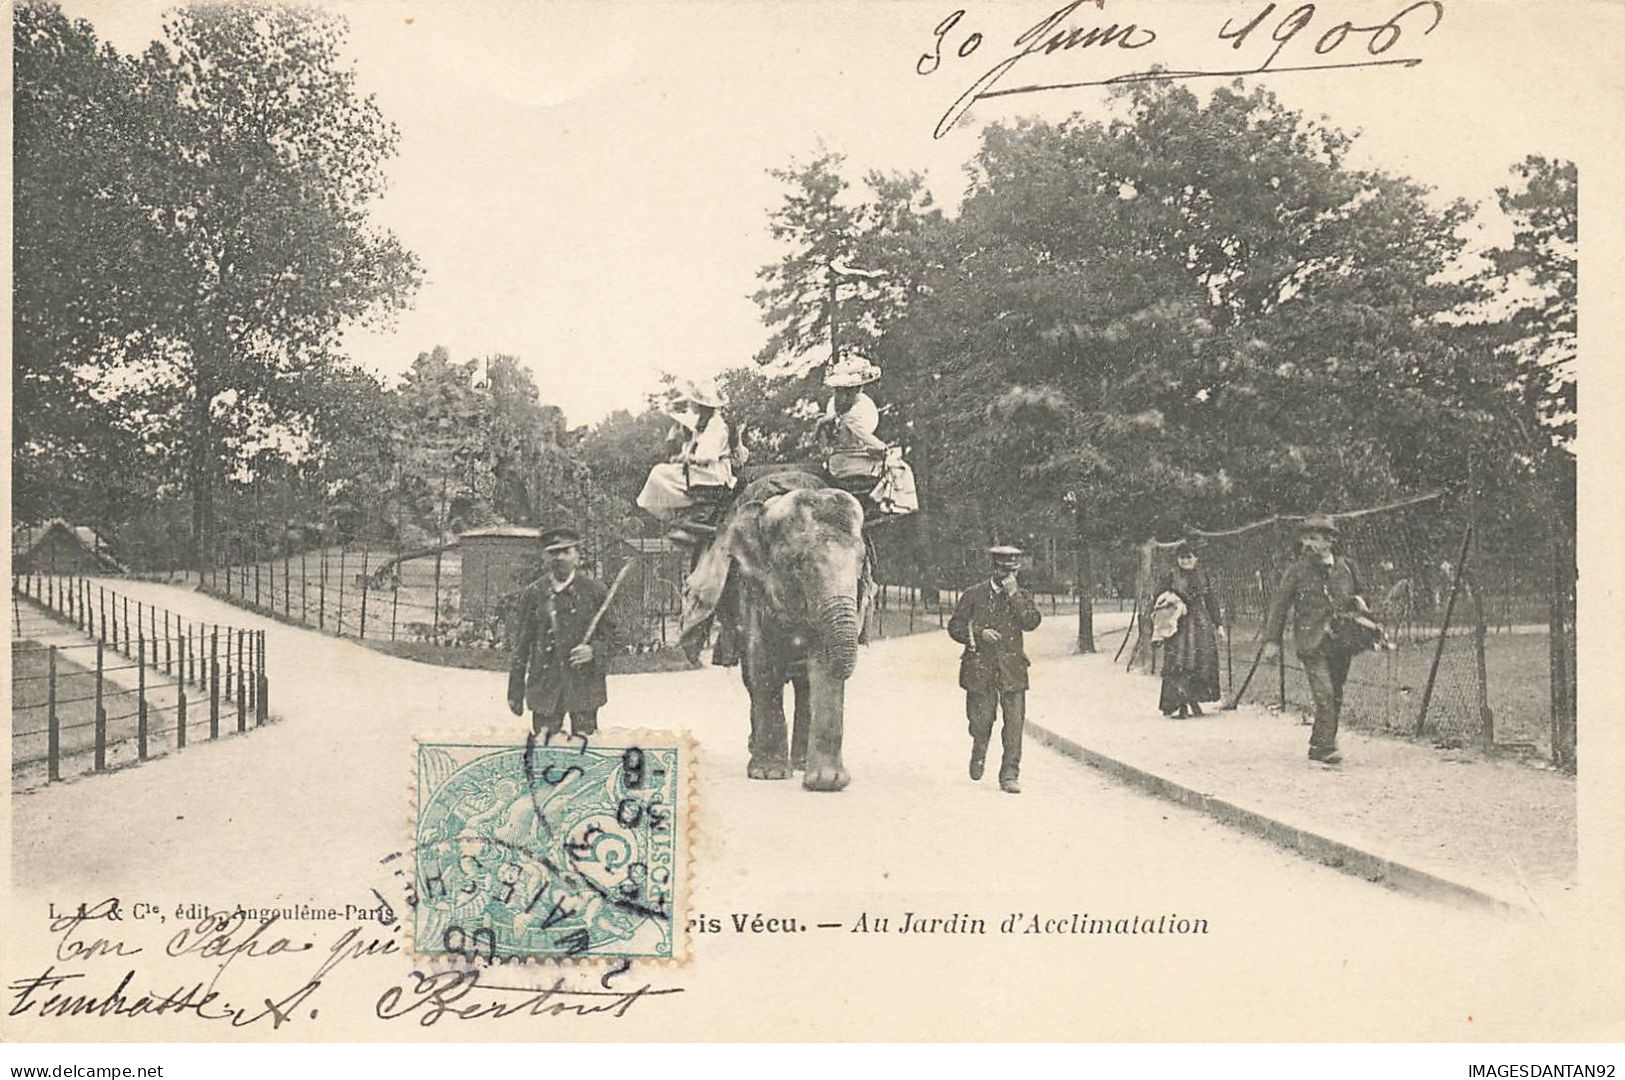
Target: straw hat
<point>851,370</point>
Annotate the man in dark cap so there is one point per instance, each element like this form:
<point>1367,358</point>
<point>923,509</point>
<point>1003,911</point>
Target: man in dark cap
<point>563,644</point>
<point>1319,585</point>
<point>989,621</point>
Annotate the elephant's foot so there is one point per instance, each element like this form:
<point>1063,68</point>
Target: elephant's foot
<point>768,770</point>
<point>825,778</point>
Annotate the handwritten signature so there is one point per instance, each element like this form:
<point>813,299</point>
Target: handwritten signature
<point>1056,34</point>
<point>441,995</point>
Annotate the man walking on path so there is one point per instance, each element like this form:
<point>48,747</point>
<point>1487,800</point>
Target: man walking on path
<point>1319,586</point>
<point>556,670</point>
<point>989,621</point>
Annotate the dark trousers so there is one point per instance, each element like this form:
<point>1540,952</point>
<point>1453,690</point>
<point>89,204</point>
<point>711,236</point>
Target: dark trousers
<point>981,708</point>
<point>1327,673</point>
<point>581,723</point>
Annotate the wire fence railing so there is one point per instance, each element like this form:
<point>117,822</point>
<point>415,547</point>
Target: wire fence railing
<point>1470,656</point>
<point>100,681</point>
<point>447,597</point>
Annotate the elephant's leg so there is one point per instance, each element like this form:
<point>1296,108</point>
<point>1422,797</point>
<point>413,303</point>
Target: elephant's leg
<point>802,723</point>
<point>764,678</point>
<point>824,769</point>
<point>769,756</point>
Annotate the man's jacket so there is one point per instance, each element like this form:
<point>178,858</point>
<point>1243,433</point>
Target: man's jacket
<point>549,625</point>
<point>1000,665</point>
<point>1312,591</point>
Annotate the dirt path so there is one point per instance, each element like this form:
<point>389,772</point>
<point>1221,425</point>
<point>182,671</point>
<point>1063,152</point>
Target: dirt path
<point>306,809</point>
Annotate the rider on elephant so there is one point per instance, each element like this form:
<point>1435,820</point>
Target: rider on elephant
<point>686,491</point>
<point>856,459</point>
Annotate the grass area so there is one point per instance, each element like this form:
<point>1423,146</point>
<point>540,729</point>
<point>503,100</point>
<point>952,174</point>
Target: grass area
<point>76,714</point>
<point>1385,689</point>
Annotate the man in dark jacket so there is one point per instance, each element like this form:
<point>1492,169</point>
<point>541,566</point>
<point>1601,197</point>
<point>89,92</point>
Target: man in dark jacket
<point>1317,586</point>
<point>989,621</point>
<point>556,669</point>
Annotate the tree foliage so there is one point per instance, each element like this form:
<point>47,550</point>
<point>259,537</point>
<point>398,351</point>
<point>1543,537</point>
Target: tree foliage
<point>220,185</point>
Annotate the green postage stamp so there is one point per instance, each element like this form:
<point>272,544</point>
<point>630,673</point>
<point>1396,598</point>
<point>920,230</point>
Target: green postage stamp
<point>551,849</point>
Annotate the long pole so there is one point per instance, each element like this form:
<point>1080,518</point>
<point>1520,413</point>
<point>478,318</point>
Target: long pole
<point>1444,629</point>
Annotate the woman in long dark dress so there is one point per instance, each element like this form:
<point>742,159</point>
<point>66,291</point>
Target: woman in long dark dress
<point>1190,656</point>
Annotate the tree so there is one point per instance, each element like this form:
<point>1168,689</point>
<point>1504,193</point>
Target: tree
<point>272,156</point>
<point>1190,311</point>
<point>78,230</point>
<point>1534,349</point>
<point>849,267</point>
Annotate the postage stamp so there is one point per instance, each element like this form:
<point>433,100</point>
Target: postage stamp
<point>551,849</point>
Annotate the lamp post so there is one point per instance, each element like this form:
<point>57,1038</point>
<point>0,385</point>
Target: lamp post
<point>839,268</point>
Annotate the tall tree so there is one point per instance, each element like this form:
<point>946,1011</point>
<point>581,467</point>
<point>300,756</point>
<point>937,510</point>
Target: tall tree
<point>273,156</point>
<point>1193,310</point>
<point>79,235</point>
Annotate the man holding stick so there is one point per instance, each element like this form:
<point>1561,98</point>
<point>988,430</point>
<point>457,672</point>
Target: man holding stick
<point>563,644</point>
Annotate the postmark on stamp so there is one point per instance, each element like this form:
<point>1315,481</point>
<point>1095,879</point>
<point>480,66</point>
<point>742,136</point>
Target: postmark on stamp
<point>558,849</point>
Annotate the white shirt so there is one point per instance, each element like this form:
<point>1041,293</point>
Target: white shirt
<point>855,428</point>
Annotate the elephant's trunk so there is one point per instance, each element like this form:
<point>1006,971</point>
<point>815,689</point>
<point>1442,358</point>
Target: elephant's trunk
<point>838,618</point>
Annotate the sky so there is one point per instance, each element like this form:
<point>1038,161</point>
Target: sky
<point>586,184</point>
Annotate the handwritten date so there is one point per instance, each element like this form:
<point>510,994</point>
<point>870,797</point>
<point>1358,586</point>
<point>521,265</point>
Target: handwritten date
<point>1265,28</point>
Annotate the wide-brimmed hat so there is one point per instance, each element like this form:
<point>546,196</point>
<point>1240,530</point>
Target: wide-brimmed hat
<point>560,539</point>
<point>701,393</point>
<point>851,370</point>
<point>1317,523</point>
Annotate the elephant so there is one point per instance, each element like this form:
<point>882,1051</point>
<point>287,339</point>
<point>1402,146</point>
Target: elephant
<point>799,557</point>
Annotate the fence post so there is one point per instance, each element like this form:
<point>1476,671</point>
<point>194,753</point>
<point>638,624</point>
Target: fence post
<point>395,597</point>
<point>265,687</point>
<point>214,684</point>
<point>1444,629</point>
<point>141,697</point>
<point>101,621</point>
<point>437,557</point>
<point>1486,717</point>
<point>252,670</point>
<point>287,566</point>
<point>1280,679</point>
<point>338,625</point>
<point>364,553</point>
<point>256,573</point>
<point>321,594</point>
<point>304,590</point>
<point>152,620</point>
<point>127,626</point>
<point>242,704</point>
<point>180,698</point>
<point>53,729</point>
<point>101,713</point>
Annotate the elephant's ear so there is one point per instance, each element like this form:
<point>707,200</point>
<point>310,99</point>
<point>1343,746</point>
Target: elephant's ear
<point>742,540</point>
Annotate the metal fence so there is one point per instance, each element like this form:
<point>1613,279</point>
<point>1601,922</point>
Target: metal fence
<point>100,681</point>
<point>375,593</point>
<point>1469,658</point>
